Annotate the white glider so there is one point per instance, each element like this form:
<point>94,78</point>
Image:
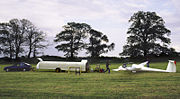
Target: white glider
<point>140,67</point>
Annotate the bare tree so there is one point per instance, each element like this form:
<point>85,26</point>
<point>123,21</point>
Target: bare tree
<point>17,35</point>
<point>6,40</point>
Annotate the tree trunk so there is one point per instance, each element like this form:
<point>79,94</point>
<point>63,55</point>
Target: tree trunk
<point>34,50</point>
<point>30,50</point>
<point>10,52</point>
<point>71,47</point>
<point>72,55</point>
<point>17,53</point>
<point>34,53</point>
<point>72,52</point>
<point>29,54</point>
<point>145,53</point>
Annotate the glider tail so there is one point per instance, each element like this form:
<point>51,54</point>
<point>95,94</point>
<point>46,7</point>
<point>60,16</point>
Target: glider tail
<point>171,66</point>
<point>40,59</point>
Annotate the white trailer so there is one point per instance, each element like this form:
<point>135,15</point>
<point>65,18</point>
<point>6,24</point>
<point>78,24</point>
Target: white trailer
<point>62,65</point>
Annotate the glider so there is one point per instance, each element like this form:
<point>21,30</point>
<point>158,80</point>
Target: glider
<point>140,67</point>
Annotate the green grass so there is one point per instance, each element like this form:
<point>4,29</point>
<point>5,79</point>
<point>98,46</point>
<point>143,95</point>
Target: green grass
<point>48,84</point>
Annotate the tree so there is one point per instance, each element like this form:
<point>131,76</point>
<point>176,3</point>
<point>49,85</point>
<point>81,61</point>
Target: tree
<point>39,37</point>
<point>33,37</point>
<point>6,40</point>
<point>29,30</point>
<point>97,43</point>
<point>17,35</point>
<point>18,30</point>
<point>147,35</point>
<point>71,38</point>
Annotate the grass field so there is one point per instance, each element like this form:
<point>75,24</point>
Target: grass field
<point>48,84</point>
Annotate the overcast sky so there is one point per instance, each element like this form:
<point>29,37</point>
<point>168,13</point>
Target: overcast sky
<point>108,16</point>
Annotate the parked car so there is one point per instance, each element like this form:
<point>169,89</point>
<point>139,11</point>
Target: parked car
<point>18,67</point>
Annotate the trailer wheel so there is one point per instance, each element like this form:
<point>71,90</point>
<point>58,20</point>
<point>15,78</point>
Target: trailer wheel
<point>7,70</point>
<point>58,70</point>
<point>33,69</point>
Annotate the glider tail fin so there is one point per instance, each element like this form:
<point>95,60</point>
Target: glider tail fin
<point>171,66</point>
<point>40,59</point>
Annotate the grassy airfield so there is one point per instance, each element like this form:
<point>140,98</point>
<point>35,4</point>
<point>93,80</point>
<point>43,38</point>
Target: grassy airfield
<point>123,84</point>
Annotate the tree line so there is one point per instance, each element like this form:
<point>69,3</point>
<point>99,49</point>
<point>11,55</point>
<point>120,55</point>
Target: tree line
<point>21,37</point>
<point>147,35</point>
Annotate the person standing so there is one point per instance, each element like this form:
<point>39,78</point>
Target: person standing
<point>107,66</point>
<point>124,65</point>
<point>148,62</point>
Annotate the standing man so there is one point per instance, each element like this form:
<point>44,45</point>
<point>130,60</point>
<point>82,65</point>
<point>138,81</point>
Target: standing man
<point>107,66</point>
<point>148,62</point>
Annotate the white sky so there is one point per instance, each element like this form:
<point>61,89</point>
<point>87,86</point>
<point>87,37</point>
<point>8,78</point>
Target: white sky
<point>108,16</point>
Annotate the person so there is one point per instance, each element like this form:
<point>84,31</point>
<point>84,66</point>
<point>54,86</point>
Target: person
<point>148,62</point>
<point>107,66</point>
<point>124,65</point>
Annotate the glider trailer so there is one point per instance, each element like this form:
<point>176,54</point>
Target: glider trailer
<point>58,66</point>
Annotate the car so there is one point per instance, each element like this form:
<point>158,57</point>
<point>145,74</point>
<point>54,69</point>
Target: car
<point>22,66</point>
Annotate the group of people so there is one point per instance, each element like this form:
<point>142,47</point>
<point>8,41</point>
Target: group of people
<point>101,70</point>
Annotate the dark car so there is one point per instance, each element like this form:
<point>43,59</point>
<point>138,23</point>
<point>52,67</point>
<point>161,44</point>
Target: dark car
<point>18,67</point>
